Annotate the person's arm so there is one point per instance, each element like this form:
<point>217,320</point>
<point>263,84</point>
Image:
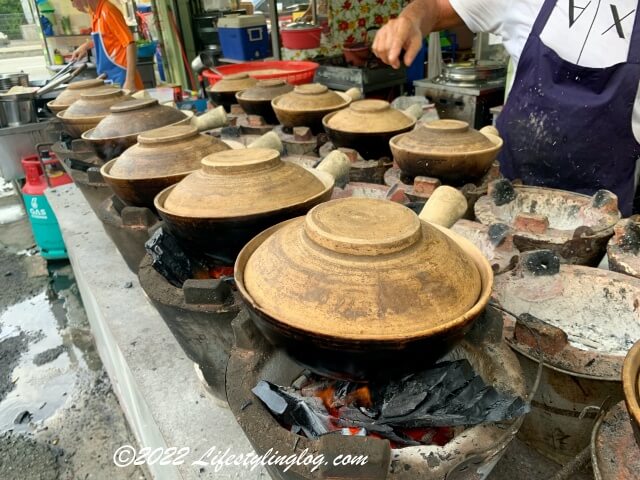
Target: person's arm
<point>406,32</point>
<point>132,58</point>
<point>82,50</point>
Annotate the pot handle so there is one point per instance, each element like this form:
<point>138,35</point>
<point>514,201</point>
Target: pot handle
<point>268,140</point>
<point>445,207</point>
<point>354,93</point>
<point>212,119</point>
<point>414,111</point>
<point>336,164</point>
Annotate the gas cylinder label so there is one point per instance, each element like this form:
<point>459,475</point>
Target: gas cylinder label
<point>35,212</point>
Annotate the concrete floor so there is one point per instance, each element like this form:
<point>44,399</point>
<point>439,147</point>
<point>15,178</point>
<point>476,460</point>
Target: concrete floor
<point>59,417</point>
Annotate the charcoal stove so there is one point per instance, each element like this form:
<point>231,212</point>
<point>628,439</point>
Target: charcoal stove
<point>420,188</point>
<point>335,73</point>
<point>583,320</point>
<point>362,170</point>
<point>81,163</point>
<point>471,454</point>
<point>249,124</point>
<point>624,246</point>
<point>128,227</point>
<point>615,454</point>
<point>494,241</point>
<point>199,315</point>
<point>300,140</point>
<point>575,226</point>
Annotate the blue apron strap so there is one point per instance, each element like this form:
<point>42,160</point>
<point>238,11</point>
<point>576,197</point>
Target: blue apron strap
<point>543,17</point>
<point>634,41</point>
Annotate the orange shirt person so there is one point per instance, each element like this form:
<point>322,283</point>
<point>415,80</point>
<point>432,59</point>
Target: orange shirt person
<point>116,52</point>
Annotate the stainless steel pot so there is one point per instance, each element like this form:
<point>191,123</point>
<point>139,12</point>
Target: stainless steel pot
<point>8,80</point>
<point>18,109</point>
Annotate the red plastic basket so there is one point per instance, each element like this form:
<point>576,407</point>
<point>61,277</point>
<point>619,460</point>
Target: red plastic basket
<point>293,72</point>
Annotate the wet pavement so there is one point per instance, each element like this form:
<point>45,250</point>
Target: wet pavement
<point>59,417</point>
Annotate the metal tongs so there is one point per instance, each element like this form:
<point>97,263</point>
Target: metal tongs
<point>64,75</point>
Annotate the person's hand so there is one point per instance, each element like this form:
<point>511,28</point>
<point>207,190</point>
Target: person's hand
<point>399,34</point>
<point>80,52</point>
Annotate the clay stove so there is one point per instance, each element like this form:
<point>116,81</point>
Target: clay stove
<point>624,247</point>
<point>576,227</point>
<point>583,320</point>
<point>469,455</point>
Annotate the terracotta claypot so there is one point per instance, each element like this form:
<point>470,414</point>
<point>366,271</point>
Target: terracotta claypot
<point>161,158</point>
<point>367,126</point>
<point>73,92</point>
<point>223,92</point>
<point>120,129</point>
<point>307,104</point>
<point>362,288</point>
<point>445,149</point>
<point>237,194</point>
<point>256,100</point>
<point>86,112</point>
<point>631,387</point>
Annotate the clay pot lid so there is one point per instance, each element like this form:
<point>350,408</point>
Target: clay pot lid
<point>362,269</point>
<point>445,137</point>
<point>310,96</point>
<point>85,84</point>
<point>265,90</point>
<point>233,83</point>
<point>95,103</point>
<point>165,152</point>
<point>132,117</point>
<point>240,183</point>
<point>631,387</point>
<point>368,116</point>
<point>76,89</point>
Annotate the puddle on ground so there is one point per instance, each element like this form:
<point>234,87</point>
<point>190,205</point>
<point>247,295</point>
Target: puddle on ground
<point>59,347</point>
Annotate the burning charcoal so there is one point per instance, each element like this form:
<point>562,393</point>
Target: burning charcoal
<point>168,258</point>
<point>308,413</point>
<point>630,239</point>
<point>502,192</point>
<point>498,232</point>
<point>271,398</point>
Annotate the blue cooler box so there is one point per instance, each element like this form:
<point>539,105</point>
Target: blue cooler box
<point>244,37</point>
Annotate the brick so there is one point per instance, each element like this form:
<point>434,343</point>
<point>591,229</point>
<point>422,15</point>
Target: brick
<point>350,153</point>
<point>302,134</point>
<point>236,109</point>
<point>255,121</point>
<point>425,186</point>
<point>531,223</point>
<point>138,216</point>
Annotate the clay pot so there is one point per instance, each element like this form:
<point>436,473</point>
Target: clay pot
<point>86,112</point>
<point>237,194</point>
<point>367,126</point>
<point>73,92</point>
<point>307,104</point>
<point>257,99</point>
<point>223,92</point>
<point>446,149</point>
<point>631,387</point>
<point>361,287</point>
<point>120,129</point>
<point>161,158</point>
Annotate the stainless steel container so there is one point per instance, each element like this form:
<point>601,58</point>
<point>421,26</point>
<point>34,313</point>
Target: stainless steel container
<point>19,109</point>
<point>8,80</point>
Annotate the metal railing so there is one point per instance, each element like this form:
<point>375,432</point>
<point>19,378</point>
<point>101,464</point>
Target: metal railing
<point>10,25</point>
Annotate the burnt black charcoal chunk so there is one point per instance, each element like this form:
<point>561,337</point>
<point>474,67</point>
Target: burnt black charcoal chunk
<point>601,198</point>
<point>503,192</point>
<point>630,240</point>
<point>168,258</point>
<point>541,262</point>
<point>230,132</point>
<point>498,232</point>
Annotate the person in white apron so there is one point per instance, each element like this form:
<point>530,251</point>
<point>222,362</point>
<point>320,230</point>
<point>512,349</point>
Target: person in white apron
<point>572,119</point>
